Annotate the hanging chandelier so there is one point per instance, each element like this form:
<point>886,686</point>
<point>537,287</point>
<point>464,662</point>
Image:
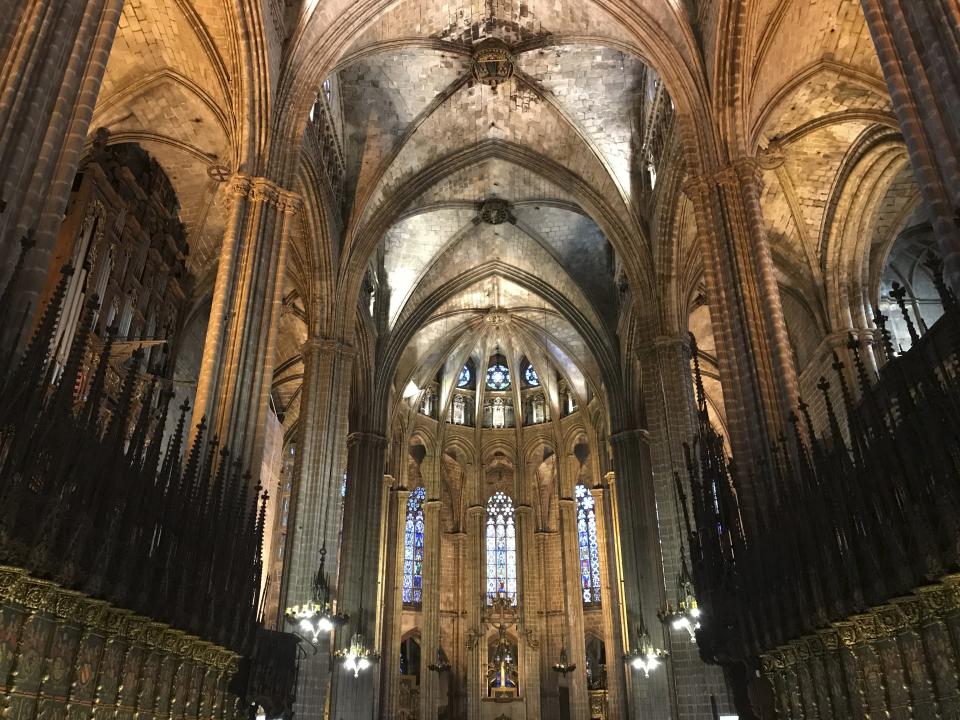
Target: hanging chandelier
<point>686,615</point>
<point>357,657</point>
<point>441,665</point>
<point>645,657</point>
<point>316,618</point>
<point>563,667</point>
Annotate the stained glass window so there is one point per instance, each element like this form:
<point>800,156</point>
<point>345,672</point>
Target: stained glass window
<point>463,379</point>
<point>413,549</point>
<point>498,377</point>
<point>589,551</point>
<point>501,548</point>
<point>531,376</point>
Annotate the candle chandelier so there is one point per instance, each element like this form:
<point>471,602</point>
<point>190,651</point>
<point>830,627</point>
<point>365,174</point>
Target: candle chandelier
<point>357,657</point>
<point>563,667</point>
<point>685,615</point>
<point>441,665</point>
<point>645,657</point>
<point>317,617</point>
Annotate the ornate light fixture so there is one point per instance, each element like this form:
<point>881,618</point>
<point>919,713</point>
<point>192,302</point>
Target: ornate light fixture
<point>441,665</point>
<point>563,667</point>
<point>357,657</point>
<point>316,617</point>
<point>645,657</point>
<point>686,614</point>
<point>492,62</point>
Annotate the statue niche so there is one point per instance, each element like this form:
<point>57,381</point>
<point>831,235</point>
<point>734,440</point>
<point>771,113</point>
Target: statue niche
<point>503,679</point>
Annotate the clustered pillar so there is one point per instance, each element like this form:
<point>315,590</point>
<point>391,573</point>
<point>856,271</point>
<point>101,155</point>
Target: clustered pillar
<point>238,353</point>
<point>918,43</point>
<point>635,522</point>
<point>53,55</point>
<point>359,577</point>
<point>430,634</point>
<point>756,362</point>
<point>315,498</point>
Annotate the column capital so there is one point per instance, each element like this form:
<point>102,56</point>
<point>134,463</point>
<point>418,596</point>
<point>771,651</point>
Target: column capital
<point>388,481</point>
<point>375,439</point>
<point>668,342</point>
<point>475,510</point>
<point>638,434</point>
<point>741,171</point>
<point>264,190</point>
<point>329,345</point>
<point>611,478</point>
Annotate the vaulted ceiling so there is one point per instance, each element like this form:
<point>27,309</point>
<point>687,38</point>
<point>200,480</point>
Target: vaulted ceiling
<point>407,98</point>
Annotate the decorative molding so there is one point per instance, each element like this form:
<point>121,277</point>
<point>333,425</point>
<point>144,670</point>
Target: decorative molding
<point>18,588</point>
<point>263,190</point>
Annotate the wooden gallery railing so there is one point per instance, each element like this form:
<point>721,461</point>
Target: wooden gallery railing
<point>129,581</point>
<point>841,600</point>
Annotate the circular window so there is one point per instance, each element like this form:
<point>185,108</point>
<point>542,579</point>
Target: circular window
<point>498,377</point>
<point>531,376</point>
<point>465,376</point>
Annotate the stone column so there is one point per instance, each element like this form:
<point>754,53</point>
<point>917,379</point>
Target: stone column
<point>430,607</point>
<point>570,559</point>
<point>531,605</point>
<point>476,642</point>
<point>359,577</point>
<point>668,399</point>
<point>53,55</point>
<point>237,366</point>
<point>918,44</point>
<point>755,359</point>
<point>394,631</point>
<point>641,571</point>
<point>610,606</point>
<point>315,500</point>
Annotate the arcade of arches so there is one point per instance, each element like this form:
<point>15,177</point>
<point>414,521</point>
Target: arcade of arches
<point>431,270</point>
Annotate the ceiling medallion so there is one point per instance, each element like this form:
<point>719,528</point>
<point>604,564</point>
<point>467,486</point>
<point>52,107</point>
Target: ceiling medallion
<point>492,62</point>
<point>494,211</point>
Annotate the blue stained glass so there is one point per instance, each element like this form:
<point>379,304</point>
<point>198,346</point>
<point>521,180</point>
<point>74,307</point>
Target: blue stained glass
<point>589,550</point>
<point>501,548</point>
<point>498,377</point>
<point>531,376</point>
<point>464,378</point>
<point>413,549</point>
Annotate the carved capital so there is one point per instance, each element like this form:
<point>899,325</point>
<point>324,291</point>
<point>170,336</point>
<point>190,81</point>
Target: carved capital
<point>263,190</point>
<point>738,173</point>
<point>326,345</point>
<point>374,439</point>
<point>638,435</point>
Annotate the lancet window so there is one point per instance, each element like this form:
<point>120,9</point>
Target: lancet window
<point>501,548</point>
<point>413,549</point>
<point>458,413</point>
<point>589,550</point>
